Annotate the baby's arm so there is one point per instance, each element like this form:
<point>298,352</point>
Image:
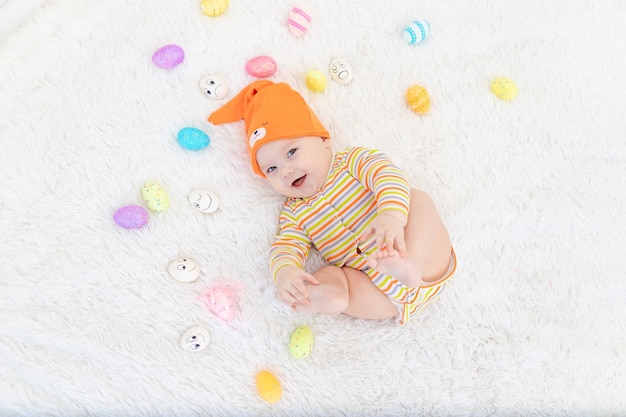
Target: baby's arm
<point>393,195</point>
<point>287,256</point>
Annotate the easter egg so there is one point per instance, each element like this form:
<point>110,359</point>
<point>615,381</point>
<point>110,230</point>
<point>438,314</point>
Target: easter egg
<point>214,86</point>
<point>298,21</point>
<point>204,201</point>
<point>168,56</point>
<point>184,270</point>
<point>261,66</point>
<point>131,217</point>
<point>214,7</point>
<point>192,138</point>
<point>417,99</point>
<point>416,32</point>
<point>268,387</point>
<point>195,339</point>
<point>504,88</point>
<point>301,342</point>
<point>340,71</point>
<point>155,197</point>
<point>316,81</point>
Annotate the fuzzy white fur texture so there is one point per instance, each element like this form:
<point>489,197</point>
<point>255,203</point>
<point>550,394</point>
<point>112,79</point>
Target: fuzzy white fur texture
<point>532,191</point>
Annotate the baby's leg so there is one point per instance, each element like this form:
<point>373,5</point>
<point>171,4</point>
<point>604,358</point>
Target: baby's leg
<point>331,296</point>
<point>349,291</point>
<point>427,242</point>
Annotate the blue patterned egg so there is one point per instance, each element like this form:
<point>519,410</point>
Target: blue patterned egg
<point>416,32</point>
<point>193,139</point>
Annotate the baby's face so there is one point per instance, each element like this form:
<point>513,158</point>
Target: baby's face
<point>296,167</point>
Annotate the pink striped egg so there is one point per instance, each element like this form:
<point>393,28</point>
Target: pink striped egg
<point>298,21</point>
<point>261,66</point>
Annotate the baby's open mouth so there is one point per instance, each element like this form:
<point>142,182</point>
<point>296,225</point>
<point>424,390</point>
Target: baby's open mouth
<point>299,181</point>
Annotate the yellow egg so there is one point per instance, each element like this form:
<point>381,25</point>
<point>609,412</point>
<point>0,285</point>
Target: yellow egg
<point>268,387</point>
<point>504,88</point>
<point>155,197</point>
<point>214,7</point>
<point>301,342</point>
<point>417,99</point>
<point>316,81</point>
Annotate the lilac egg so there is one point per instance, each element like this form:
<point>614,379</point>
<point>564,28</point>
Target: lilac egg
<point>168,56</point>
<point>131,217</point>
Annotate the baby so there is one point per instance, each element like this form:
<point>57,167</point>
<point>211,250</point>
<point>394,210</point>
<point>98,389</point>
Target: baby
<point>388,252</point>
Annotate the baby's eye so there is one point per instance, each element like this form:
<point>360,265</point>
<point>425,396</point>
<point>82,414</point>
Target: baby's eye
<point>291,152</point>
<point>270,170</point>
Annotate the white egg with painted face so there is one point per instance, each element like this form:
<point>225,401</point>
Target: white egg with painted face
<point>204,201</point>
<point>214,86</point>
<point>184,270</point>
<point>340,71</point>
<point>195,339</point>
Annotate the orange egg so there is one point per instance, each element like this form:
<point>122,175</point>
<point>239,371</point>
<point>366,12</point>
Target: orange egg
<point>418,100</point>
<point>268,387</point>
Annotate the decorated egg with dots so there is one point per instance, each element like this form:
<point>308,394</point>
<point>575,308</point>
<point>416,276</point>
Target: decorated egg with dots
<point>416,32</point>
<point>316,81</point>
<point>268,387</point>
<point>131,217</point>
<point>301,342</point>
<point>418,100</point>
<point>504,88</point>
<point>213,86</point>
<point>298,21</point>
<point>192,138</point>
<point>340,71</point>
<point>261,66</point>
<point>214,7</point>
<point>155,196</point>
<point>168,56</point>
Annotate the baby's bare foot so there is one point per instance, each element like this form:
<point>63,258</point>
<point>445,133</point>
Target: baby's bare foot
<point>389,262</point>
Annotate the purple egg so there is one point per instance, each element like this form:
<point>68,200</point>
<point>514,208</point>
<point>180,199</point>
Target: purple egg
<point>131,217</point>
<point>168,56</point>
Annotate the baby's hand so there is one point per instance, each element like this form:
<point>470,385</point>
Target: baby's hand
<point>291,284</point>
<point>389,232</point>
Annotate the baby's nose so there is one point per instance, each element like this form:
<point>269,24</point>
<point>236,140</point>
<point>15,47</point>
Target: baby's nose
<point>287,171</point>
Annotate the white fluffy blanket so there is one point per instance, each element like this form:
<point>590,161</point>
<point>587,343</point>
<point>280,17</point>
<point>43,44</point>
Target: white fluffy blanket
<point>532,191</point>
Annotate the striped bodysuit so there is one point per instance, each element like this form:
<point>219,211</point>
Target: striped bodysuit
<point>361,183</point>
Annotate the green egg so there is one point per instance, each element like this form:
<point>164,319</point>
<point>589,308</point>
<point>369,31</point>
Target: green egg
<point>155,197</point>
<point>301,342</point>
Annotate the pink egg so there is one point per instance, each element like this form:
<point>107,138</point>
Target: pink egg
<point>261,66</point>
<point>168,56</point>
<point>298,21</point>
<point>221,300</point>
<point>131,217</point>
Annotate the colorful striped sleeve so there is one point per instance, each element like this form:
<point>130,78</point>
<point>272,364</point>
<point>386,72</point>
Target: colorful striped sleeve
<point>380,175</point>
<point>292,244</point>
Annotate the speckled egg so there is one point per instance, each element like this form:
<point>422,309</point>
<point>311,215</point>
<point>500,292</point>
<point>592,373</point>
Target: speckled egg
<point>131,217</point>
<point>155,196</point>
<point>268,387</point>
<point>168,56</point>
<point>192,138</point>
<point>316,81</point>
<point>261,66</point>
<point>504,88</point>
<point>418,100</point>
<point>298,21</point>
<point>214,7</point>
<point>301,342</point>
<point>416,32</point>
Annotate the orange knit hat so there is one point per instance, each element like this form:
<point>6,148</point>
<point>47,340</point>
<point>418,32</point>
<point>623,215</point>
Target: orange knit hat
<point>271,112</point>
